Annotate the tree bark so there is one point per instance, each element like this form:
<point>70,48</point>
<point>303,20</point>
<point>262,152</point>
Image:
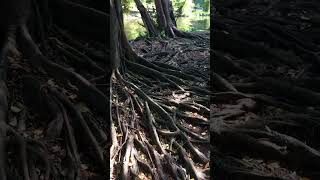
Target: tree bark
<point>172,16</point>
<point>166,19</point>
<point>146,18</point>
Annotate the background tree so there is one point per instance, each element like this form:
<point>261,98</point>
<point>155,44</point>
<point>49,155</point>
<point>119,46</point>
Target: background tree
<point>146,18</point>
<point>166,19</point>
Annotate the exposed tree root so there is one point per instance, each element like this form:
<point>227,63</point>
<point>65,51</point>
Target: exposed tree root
<point>68,137</point>
<point>154,112</point>
<point>259,110</point>
<point>166,161</point>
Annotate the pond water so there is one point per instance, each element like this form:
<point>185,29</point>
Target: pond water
<point>191,16</point>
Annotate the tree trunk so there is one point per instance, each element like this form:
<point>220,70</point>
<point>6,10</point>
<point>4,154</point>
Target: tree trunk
<point>115,36</point>
<point>166,19</point>
<point>172,16</point>
<point>147,20</point>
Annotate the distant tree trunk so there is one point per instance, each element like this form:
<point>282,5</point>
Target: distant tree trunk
<point>163,20</point>
<point>166,19</point>
<point>146,18</point>
<point>171,10</point>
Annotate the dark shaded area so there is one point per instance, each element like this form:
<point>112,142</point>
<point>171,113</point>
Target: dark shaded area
<point>54,96</point>
<point>265,99</point>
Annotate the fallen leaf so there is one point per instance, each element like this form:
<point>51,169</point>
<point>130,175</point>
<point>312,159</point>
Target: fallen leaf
<point>13,121</point>
<point>51,82</point>
<point>207,165</point>
<point>304,178</point>
<point>15,109</point>
<point>55,148</point>
<point>38,131</point>
<point>82,107</point>
<point>84,166</point>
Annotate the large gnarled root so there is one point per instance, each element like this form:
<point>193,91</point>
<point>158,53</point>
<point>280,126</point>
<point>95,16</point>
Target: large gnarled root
<point>87,91</point>
<point>67,121</point>
<point>160,157</point>
<point>235,125</point>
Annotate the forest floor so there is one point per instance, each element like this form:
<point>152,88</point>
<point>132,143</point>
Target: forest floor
<point>189,55</point>
<point>265,104</point>
<point>190,108</point>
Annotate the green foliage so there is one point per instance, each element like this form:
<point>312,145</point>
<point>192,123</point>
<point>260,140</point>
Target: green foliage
<point>128,5</point>
<point>178,3</point>
<point>188,8</point>
<point>133,26</point>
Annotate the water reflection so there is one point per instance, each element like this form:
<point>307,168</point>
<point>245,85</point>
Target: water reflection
<point>192,15</point>
<point>191,24</point>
